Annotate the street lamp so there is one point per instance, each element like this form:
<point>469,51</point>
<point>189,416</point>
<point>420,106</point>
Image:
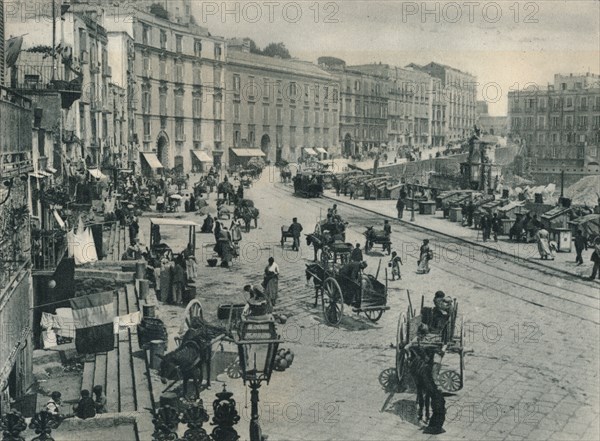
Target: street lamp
<point>257,347</point>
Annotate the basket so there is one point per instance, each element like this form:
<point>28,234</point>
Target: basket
<point>212,262</point>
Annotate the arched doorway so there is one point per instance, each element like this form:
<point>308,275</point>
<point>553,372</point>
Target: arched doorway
<point>348,144</point>
<point>162,149</point>
<point>265,144</point>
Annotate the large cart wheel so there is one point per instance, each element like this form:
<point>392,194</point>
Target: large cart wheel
<point>374,315</point>
<point>449,381</point>
<point>402,340</point>
<point>194,310</point>
<point>334,306</point>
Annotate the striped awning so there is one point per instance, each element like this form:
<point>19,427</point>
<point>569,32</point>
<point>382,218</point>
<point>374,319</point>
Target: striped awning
<point>152,160</point>
<point>202,156</point>
<point>310,151</point>
<point>248,153</point>
<point>96,173</point>
<point>321,150</point>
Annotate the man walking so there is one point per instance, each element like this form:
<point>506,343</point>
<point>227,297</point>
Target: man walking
<point>356,255</point>
<point>400,207</point>
<point>495,226</point>
<point>580,245</point>
<point>596,259</point>
<point>295,230</point>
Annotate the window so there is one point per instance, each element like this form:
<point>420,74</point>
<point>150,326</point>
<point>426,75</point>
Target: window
<point>306,92</point>
<point>516,123</point>
<point>217,51</point>
<point>554,138</point>
<point>335,96</point>
<point>146,64</point>
<point>146,98</point>
<point>316,93</point>
<point>179,103</point>
<point>178,44</point>
<point>146,35</point>
<point>541,122</point>
<point>163,102</point>
<point>236,84</point>
<point>197,130</point>
<point>236,138</point>
<point>265,114</point>
<point>198,48</point>
<point>305,136</point>
<point>163,40</point>
<point>555,122</point>
<point>267,87</point>
<point>236,111</point>
<point>251,137</point>
<point>596,121</point>
<point>179,130</point>
<point>251,113</point>
<point>293,90</point>
<point>305,117</point>
<point>326,118</point>
<point>583,103</point>
<point>317,136</point>
<point>357,85</point>
<point>540,138</point>
<point>279,90</point>
<point>197,106</point>
<point>568,122</point>
<point>179,71</point>
<point>325,137</point>
<point>317,122</point>
<point>197,75</point>
<point>292,116</point>
<point>582,122</point>
<point>146,128</point>
<point>569,102</point>
<point>529,122</point>
<point>163,69</point>
<point>279,116</point>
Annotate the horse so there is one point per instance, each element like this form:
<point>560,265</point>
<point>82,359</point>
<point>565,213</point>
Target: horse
<point>286,175</point>
<point>195,352</point>
<point>247,214</point>
<point>317,270</point>
<point>225,189</point>
<point>223,210</point>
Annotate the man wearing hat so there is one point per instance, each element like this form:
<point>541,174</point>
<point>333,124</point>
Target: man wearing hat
<point>53,405</point>
<point>295,230</point>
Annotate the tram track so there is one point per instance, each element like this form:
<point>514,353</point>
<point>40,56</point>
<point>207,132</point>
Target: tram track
<point>522,286</point>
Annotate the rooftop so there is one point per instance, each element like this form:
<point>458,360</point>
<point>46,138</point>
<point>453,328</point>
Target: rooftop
<point>291,66</point>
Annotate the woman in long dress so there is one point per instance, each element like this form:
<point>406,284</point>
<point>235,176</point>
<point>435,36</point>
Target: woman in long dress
<point>271,281</point>
<point>424,258</point>
<point>543,244</point>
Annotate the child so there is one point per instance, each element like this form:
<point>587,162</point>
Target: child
<point>395,264</point>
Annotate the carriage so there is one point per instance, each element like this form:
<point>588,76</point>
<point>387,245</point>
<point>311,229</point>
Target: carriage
<point>331,234</point>
<point>285,234</point>
<point>368,296</point>
<point>378,237</point>
<point>308,185</point>
<point>445,335</point>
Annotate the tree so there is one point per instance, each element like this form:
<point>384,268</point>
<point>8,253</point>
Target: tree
<point>159,11</point>
<point>276,50</point>
<point>254,49</point>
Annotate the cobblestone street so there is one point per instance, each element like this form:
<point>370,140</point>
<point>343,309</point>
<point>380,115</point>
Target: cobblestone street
<point>533,337</point>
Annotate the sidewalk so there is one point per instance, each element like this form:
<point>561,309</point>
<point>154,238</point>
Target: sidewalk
<point>564,262</point>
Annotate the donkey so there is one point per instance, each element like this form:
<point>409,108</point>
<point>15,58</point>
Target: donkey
<point>195,353</point>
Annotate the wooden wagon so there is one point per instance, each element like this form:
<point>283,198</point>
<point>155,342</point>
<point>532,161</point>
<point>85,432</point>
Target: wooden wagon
<point>445,335</point>
<point>367,295</point>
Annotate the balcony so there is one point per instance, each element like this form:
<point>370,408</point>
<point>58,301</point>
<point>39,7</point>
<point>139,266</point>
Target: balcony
<point>47,248</point>
<point>16,138</point>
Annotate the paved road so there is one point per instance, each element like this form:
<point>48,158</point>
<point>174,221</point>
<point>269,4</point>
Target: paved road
<point>534,336</point>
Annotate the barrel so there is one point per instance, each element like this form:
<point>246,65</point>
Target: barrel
<point>151,329</point>
<point>140,270</point>
<point>143,290</point>
<point>149,311</point>
<point>157,350</point>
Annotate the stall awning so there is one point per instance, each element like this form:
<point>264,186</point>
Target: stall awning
<point>202,156</point>
<point>51,170</point>
<point>310,151</point>
<point>152,160</point>
<point>248,153</point>
<point>39,175</point>
<point>97,173</point>
<point>321,150</point>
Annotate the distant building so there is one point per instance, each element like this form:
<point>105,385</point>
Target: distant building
<point>286,108</point>
<point>416,111</point>
<point>459,96</point>
<point>491,125</point>
<point>559,127</point>
<point>363,107</point>
<point>178,85</point>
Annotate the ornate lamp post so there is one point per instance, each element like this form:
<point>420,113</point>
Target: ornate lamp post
<point>257,345</point>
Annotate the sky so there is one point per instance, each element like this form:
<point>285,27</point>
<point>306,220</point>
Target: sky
<point>507,45</point>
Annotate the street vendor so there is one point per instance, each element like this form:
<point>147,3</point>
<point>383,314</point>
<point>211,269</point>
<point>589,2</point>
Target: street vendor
<point>443,309</point>
<point>387,228</point>
<point>353,270</point>
<point>207,226</point>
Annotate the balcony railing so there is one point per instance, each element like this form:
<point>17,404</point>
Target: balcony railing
<point>48,248</point>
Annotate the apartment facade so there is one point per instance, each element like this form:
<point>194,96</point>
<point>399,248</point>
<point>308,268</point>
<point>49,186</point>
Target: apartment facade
<point>286,108</point>
<point>178,89</point>
<point>363,107</point>
<point>559,126</point>
<point>459,95</point>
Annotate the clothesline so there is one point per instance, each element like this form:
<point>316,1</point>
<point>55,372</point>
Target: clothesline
<point>63,301</point>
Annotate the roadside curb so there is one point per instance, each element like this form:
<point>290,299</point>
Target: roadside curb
<point>470,242</point>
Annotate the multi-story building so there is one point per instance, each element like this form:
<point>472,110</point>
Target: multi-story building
<point>416,112</point>
<point>178,94</point>
<point>68,83</point>
<point>488,124</point>
<point>559,126</point>
<point>363,107</point>
<point>288,108</point>
<point>16,293</point>
<point>459,95</point>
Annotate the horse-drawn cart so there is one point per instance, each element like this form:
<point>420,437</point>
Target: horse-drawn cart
<point>378,237</point>
<point>365,294</point>
<point>445,335</point>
